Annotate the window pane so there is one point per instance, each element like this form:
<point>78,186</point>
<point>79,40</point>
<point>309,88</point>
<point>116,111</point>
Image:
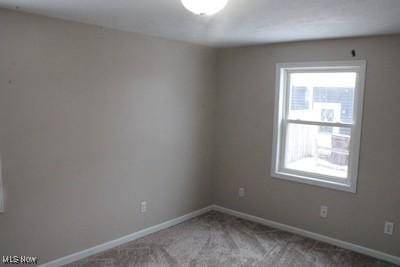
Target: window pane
<point>317,149</point>
<point>322,96</point>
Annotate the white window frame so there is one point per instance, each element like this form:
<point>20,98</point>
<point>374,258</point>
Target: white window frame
<point>281,122</point>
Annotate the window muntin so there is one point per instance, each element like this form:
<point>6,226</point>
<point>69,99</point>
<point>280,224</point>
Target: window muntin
<point>318,123</point>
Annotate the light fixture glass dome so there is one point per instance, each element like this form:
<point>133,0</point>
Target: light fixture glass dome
<point>204,7</point>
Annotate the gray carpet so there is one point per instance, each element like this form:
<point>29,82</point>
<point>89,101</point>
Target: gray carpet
<point>216,239</point>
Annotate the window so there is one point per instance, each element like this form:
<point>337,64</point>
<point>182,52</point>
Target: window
<point>317,129</point>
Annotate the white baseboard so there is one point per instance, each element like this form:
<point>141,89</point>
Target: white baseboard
<point>125,239</point>
<point>120,241</point>
<point>343,244</point>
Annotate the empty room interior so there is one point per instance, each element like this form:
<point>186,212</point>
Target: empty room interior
<point>200,133</point>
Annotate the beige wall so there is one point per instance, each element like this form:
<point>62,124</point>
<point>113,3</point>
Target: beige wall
<point>92,122</point>
<point>245,108</point>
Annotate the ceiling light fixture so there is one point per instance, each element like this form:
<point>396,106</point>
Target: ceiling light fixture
<point>204,7</point>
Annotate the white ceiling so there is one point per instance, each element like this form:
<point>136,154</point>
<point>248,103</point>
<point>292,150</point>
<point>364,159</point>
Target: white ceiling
<point>242,22</point>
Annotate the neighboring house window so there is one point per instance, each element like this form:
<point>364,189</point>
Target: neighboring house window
<point>318,111</point>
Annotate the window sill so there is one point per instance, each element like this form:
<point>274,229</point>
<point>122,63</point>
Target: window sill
<point>314,181</point>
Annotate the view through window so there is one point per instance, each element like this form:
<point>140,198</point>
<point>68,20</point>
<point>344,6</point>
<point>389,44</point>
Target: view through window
<point>320,97</point>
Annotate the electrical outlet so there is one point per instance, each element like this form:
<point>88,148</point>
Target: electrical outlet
<point>389,228</point>
<point>143,207</point>
<point>323,212</point>
<point>241,192</point>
